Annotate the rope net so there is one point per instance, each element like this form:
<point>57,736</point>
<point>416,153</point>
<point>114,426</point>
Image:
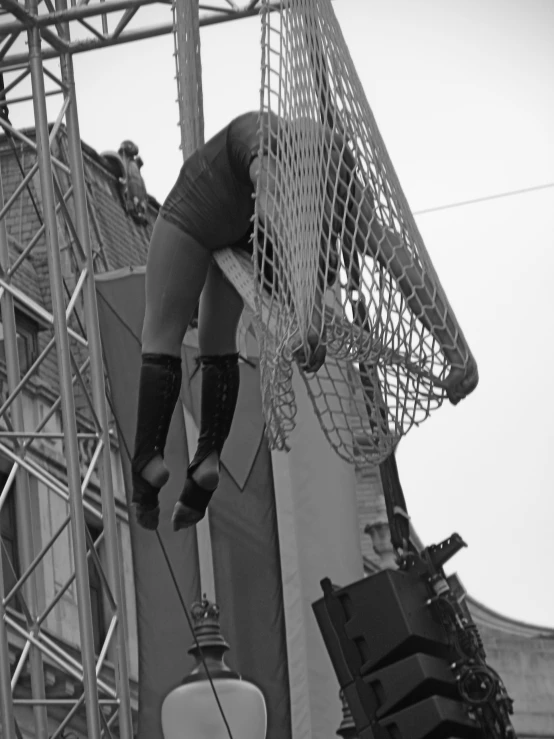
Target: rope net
<point>340,266</point>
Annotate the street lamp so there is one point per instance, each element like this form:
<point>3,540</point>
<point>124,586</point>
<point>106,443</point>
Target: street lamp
<point>347,729</point>
<point>190,711</point>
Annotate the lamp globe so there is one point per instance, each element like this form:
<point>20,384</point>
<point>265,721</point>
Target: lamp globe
<point>190,711</point>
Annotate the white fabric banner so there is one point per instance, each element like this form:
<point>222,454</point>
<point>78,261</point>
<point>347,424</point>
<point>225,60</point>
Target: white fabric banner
<point>315,494</point>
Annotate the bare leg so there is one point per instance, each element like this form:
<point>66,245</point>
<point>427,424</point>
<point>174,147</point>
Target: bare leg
<point>176,270</point>
<point>219,314</point>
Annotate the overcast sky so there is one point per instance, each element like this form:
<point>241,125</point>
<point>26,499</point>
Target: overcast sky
<point>462,91</point>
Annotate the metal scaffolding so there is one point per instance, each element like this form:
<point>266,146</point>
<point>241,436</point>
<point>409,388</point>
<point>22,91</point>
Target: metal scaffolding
<point>60,32</point>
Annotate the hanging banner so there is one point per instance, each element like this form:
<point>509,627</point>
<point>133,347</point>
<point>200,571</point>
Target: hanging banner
<point>243,527</point>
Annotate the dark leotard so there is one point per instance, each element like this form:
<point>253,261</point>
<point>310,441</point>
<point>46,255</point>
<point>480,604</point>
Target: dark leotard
<point>213,198</point>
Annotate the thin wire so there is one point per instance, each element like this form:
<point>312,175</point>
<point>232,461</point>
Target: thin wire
<point>172,574</point>
<point>484,199</point>
<point>199,648</point>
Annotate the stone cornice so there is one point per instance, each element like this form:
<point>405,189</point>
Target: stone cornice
<point>484,616</point>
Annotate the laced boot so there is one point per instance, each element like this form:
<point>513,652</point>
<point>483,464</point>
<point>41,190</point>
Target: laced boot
<point>160,385</point>
<point>220,388</point>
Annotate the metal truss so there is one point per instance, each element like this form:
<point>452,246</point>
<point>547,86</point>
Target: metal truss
<point>77,352</point>
<point>26,647</point>
<point>94,24</point>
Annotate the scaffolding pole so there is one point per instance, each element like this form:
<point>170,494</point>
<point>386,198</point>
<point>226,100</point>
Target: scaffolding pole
<point>6,704</point>
<point>25,543</point>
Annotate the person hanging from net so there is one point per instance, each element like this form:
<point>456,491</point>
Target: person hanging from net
<point>210,207</point>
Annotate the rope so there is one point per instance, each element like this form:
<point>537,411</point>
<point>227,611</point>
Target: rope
<point>174,579</point>
<point>183,604</point>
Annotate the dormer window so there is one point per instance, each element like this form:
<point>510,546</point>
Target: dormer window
<point>27,343</point>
